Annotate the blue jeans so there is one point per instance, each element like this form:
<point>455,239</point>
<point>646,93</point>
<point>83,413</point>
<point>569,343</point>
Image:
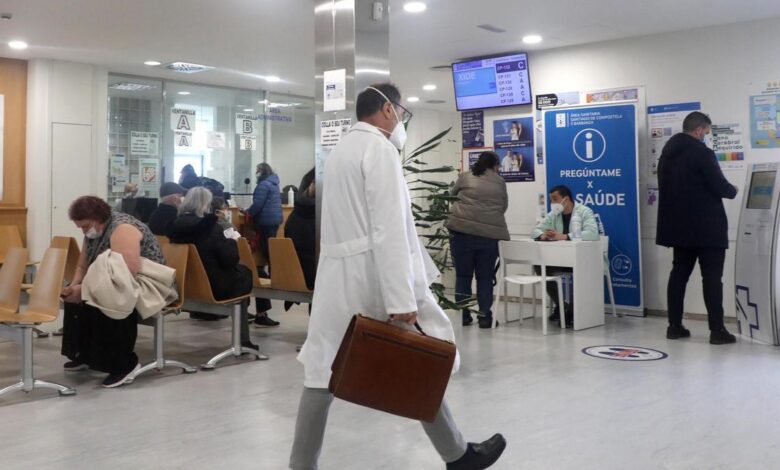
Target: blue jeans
<point>474,255</point>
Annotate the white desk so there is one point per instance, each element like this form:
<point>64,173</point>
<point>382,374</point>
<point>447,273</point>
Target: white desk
<point>587,262</point>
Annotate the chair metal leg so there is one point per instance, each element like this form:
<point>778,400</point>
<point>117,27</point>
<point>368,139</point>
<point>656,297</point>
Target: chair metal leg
<point>533,294</point>
<point>522,302</point>
<point>159,361</point>
<point>28,381</point>
<point>40,333</point>
<point>611,293</point>
<point>544,310</point>
<point>561,310</point>
<point>236,349</point>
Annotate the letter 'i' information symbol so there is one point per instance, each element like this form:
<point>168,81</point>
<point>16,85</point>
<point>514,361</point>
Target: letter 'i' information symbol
<point>589,145</point>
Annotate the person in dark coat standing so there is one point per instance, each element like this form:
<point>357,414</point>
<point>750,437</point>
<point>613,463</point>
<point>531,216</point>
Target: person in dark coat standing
<point>266,211</point>
<point>162,217</point>
<point>301,228</point>
<point>188,178</point>
<point>692,221</point>
<point>227,277</point>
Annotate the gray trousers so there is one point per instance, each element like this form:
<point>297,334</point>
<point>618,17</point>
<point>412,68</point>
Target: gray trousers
<point>313,416</point>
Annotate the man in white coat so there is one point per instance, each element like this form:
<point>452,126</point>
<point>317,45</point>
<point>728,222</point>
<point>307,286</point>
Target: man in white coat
<point>372,262</point>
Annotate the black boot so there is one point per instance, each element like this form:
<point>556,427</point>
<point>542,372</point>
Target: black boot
<point>677,332</point>
<point>722,336</point>
<point>481,455</point>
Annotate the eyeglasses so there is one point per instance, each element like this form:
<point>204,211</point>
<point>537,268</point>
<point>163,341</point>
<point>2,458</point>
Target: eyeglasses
<point>406,115</point>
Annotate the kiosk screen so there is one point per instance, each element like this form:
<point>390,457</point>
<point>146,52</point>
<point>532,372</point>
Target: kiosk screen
<point>762,185</point>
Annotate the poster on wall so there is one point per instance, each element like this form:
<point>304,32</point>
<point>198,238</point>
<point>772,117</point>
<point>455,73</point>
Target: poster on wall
<point>513,141</point>
<point>149,169</point>
<point>2,132</point>
<point>472,124</point>
<point>608,96</point>
<point>247,142</point>
<point>552,100</point>
<point>183,119</point>
<point>727,142</point>
<point>245,123</point>
<point>144,143</point>
<point>118,171</point>
<point>332,131</point>
<point>593,151</point>
<point>764,119</point>
<point>334,92</point>
<point>664,121</point>
<point>215,140</point>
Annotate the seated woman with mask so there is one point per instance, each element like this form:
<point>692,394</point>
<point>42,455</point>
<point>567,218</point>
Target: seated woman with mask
<point>228,278</point>
<point>90,338</point>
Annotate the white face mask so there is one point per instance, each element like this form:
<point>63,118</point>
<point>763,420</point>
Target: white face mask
<point>398,136</point>
<point>92,233</point>
<point>556,208</point>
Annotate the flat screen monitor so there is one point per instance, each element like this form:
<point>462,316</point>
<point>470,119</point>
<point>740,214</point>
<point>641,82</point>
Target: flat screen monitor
<point>492,82</point>
<point>762,186</point>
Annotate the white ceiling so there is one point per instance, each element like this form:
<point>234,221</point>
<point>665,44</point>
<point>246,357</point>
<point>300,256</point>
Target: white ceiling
<point>248,39</point>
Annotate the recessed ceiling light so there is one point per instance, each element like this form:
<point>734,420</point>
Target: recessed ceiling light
<point>415,7</point>
<point>129,86</point>
<point>532,39</point>
<point>152,63</point>
<point>184,93</point>
<point>272,79</point>
<point>18,45</point>
<point>187,67</point>
<point>413,99</point>
<point>429,87</point>
<point>248,110</point>
<point>262,102</point>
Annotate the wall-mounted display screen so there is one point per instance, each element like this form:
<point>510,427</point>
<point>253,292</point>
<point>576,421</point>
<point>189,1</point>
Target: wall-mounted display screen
<point>762,185</point>
<point>492,82</point>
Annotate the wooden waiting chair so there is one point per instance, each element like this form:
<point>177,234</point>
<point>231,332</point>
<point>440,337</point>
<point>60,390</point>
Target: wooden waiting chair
<point>162,240</point>
<point>176,258</point>
<point>287,281</point>
<point>199,297</point>
<point>43,307</point>
<point>9,238</point>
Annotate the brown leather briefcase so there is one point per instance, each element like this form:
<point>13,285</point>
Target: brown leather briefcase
<point>392,369</point>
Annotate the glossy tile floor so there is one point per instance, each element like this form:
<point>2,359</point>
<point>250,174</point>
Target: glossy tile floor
<point>705,407</point>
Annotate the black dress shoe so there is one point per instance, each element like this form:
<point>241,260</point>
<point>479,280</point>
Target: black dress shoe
<point>677,332</point>
<point>250,345</point>
<point>722,336</point>
<point>485,323</point>
<point>468,320</point>
<point>481,455</point>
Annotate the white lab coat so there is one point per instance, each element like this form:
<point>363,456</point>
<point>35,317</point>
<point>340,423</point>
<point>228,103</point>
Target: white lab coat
<point>371,259</point>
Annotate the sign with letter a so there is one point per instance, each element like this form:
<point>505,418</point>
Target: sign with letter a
<point>183,139</point>
<point>183,119</point>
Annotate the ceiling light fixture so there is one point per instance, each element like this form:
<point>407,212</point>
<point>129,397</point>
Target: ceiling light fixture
<point>18,45</point>
<point>129,86</point>
<point>429,87</point>
<point>184,93</point>
<point>415,7</point>
<point>272,79</point>
<point>413,99</point>
<point>532,39</point>
<point>152,63</point>
<point>248,110</point>
<point>262,102</point>
<point>187,67</point>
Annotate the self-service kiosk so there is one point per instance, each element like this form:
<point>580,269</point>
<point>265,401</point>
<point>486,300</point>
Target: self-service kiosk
<point>757,269</point>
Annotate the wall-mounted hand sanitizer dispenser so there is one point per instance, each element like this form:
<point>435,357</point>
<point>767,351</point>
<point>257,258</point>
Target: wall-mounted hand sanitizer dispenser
<point>757,269</point>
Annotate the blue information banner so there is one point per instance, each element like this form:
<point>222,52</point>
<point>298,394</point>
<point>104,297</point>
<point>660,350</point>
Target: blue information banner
<point>593,151</point>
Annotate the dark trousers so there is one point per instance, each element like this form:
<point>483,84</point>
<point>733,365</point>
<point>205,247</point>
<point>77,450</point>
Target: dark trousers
<point>552,286</point>
<point>711,262</point>
<point>265,232</point>
<point>104,344</point>
<point>474,255</point>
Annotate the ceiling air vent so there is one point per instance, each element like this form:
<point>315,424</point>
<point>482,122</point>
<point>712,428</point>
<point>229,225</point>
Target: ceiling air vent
<point>491,28</point>
<point>186,67</point>
<point>128,86</point>
<point>435,101</point>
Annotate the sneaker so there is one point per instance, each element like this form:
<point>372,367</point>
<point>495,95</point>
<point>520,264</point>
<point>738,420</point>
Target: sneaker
<point>481,455</point>
<point>75,366</point>
<point>677,332</point>
<point>722,336</point>
<point>264,321</point>
<point>115,380</point>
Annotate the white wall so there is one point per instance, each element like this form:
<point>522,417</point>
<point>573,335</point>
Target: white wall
<point>713,65</point>
<point>63,93</point>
